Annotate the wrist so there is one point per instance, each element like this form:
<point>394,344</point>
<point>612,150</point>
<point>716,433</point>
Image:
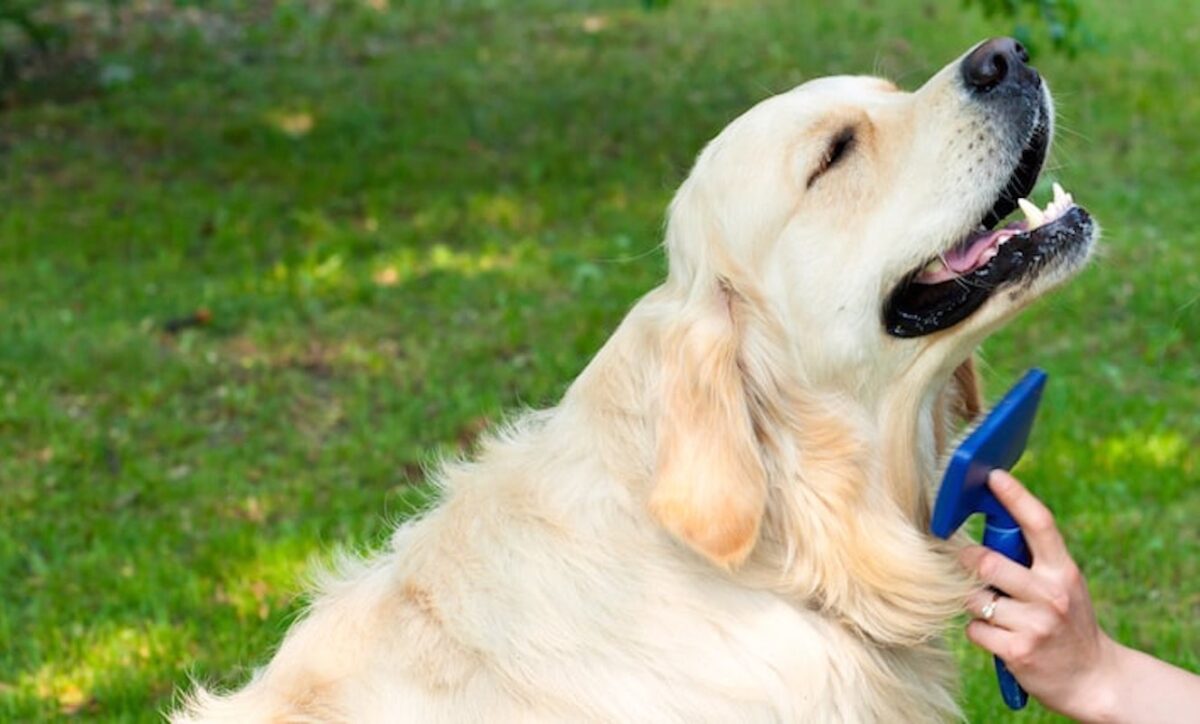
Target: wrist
<point>1100,701</point>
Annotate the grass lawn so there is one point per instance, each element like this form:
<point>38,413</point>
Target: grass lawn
<point>405,219</point>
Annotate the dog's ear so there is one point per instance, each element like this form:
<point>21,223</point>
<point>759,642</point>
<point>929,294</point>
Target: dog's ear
<point>710,485</point>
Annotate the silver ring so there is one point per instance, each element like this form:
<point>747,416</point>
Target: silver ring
<point>990,609</point>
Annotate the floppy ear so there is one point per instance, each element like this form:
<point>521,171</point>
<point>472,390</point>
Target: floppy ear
<point>710,484</point>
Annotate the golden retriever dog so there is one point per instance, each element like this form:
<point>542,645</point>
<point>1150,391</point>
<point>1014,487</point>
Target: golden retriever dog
<point>725,517</point>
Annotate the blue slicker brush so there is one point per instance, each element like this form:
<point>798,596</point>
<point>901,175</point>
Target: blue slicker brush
<point>997,443</point>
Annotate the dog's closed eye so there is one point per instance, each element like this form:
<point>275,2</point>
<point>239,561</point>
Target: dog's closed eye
<point>839,147</point>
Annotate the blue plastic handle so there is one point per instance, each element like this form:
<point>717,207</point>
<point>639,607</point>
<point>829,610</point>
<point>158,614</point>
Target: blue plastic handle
<point>1002,534</point>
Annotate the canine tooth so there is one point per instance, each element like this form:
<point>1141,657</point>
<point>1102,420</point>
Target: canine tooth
<point>1032,213</point>
<point>934,266</point>
<point>1059,194</point>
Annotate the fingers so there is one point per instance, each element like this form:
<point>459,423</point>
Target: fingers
<point>993,638</point>
<point>1035,519</point>
<point>995,570</point>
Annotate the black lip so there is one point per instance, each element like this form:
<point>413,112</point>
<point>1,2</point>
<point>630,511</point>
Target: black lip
<point>1025,175</point>
<point>915,310</point>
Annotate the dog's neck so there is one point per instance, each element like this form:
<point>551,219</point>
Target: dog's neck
<point>844,527</point>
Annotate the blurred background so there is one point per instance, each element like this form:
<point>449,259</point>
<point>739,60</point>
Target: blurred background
<point>260,261</point>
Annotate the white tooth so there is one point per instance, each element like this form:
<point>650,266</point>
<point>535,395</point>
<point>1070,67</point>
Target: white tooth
<point>1059,194</point>
<point>1032,213</point>
<point>934,266</point>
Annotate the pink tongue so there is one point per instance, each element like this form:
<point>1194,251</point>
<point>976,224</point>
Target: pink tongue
<point>966,257</point>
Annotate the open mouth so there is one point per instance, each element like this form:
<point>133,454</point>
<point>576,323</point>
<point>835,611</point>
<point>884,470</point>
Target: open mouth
<point>950,287</point>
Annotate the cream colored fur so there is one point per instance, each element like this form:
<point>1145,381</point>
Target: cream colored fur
<point>723,520</point>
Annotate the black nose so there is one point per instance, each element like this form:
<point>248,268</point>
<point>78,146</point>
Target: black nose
<point>994,62</point>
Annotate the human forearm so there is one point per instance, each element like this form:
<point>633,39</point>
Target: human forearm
<point>1142,689</point>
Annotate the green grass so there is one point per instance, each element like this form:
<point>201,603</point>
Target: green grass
<point>405,221</point>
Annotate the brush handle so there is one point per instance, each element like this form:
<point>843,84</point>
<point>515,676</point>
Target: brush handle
<point>1004,536</point>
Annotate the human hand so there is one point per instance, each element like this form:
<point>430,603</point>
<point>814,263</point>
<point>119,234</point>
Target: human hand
<point>1045,630</point>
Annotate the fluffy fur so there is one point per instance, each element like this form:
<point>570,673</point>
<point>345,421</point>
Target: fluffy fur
<point>723,519</point>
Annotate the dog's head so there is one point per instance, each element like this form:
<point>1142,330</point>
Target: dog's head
<point>863,225</point>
